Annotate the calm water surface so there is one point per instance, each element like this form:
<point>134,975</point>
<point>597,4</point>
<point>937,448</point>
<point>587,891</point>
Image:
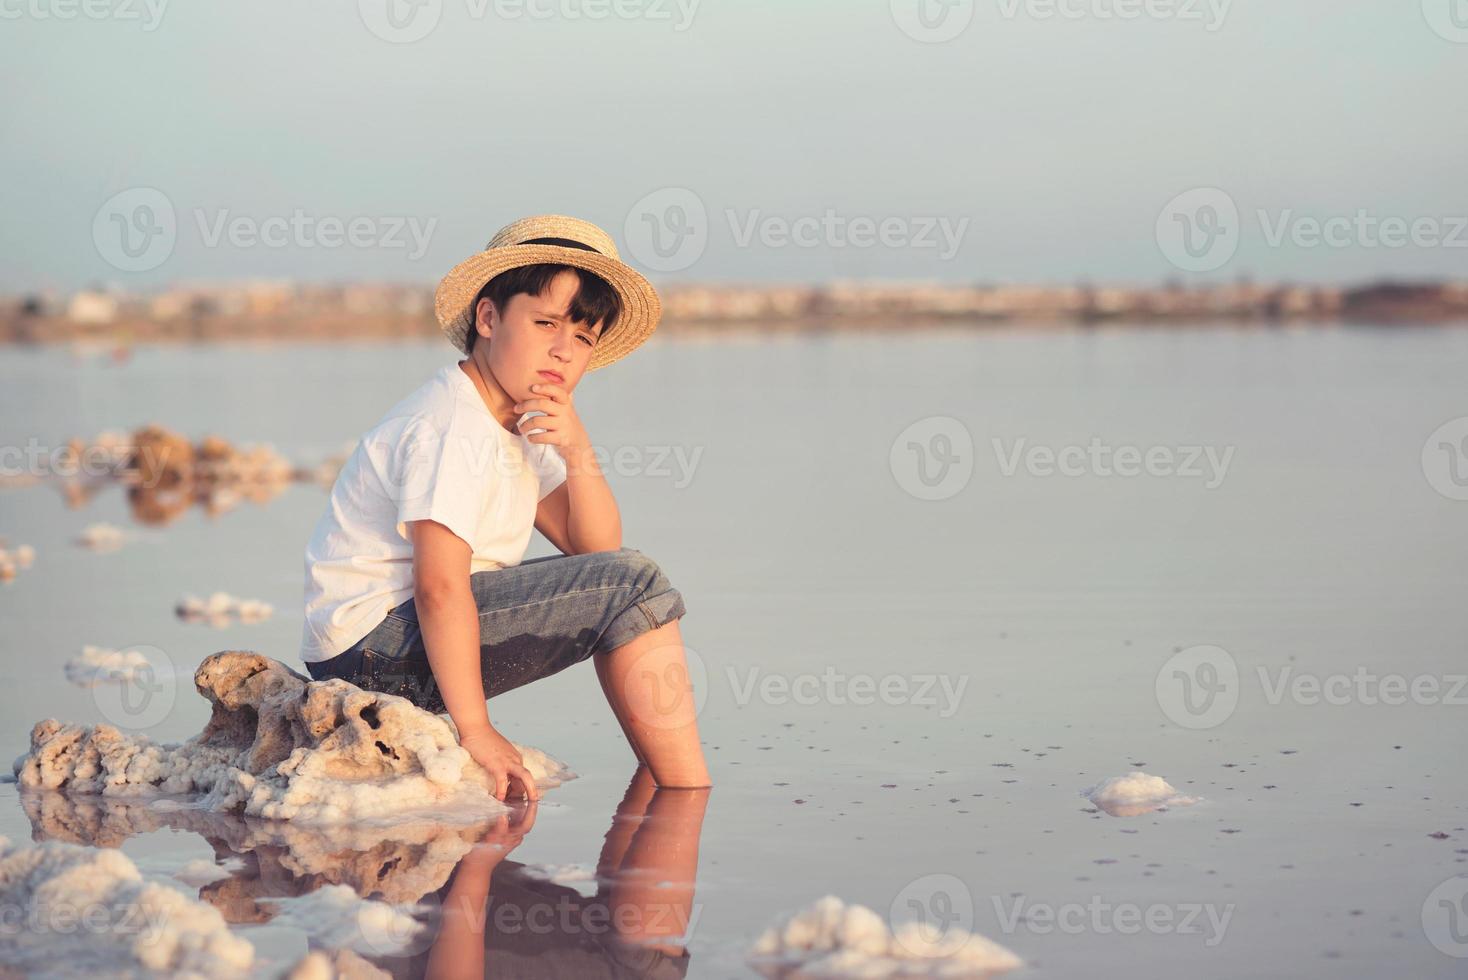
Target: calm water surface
<point>847,512</point>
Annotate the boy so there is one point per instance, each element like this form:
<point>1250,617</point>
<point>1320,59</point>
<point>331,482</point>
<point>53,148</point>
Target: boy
<point>414,579</point>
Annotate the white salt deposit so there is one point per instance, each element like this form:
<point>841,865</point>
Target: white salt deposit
<point>339,964</point>
<point>830,938</point>
<point>335,916</point>
<point>1136,793</point>
<point>578,876</point>
<point>221,607</point>
<point>278,745</point>
<point>101,537</point>
<point>87,912</point>
<point>200,872</point>
<point>98,665</point>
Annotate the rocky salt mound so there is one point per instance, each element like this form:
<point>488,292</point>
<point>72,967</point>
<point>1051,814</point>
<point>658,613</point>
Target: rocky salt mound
<point>132,927</point>
<point>281,746</point>
<point>1136,793</point>
<point>833,939</point>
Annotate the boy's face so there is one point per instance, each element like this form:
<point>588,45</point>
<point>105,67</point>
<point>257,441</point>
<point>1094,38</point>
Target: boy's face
<point>534,334</point>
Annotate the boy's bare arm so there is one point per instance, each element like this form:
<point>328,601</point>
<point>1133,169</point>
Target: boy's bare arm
<point>581,515</point>
<point>449,620</point>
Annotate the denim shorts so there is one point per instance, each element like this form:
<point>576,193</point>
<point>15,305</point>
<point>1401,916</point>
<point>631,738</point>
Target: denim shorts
<point>535,619</point>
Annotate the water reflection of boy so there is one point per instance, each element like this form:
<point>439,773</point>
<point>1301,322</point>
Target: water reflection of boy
<point>498,920</point>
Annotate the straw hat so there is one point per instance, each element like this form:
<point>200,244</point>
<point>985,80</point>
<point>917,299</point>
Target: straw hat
<point>532,240</point>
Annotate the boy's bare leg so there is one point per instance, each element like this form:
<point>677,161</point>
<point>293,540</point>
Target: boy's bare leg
<point>646,683</point>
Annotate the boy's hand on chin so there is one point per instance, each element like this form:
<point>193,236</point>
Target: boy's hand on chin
<point>507,772</point>
<point>563,428</point>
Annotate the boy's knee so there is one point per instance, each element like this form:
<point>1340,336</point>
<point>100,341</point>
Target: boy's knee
<point>642,569</point>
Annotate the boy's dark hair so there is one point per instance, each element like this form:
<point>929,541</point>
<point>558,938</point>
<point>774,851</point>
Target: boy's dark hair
<point>595,301</point>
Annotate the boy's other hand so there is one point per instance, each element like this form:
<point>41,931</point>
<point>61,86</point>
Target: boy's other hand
<point>503,762</point>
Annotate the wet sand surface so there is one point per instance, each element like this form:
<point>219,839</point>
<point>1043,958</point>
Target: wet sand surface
<point>1037,634</point>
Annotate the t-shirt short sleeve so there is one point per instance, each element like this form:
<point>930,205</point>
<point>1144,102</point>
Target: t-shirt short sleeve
<point>432,476</point>
<point>549,467</point>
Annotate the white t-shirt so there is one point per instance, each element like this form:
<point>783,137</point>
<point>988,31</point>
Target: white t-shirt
<point>437,455</point>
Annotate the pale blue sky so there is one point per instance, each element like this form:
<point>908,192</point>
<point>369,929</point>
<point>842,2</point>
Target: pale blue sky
<point>1059,141</point>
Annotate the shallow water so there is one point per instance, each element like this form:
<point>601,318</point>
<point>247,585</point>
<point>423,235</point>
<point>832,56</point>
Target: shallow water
<point>1052,607</point>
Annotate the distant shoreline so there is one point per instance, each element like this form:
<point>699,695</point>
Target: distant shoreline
<point>279,312</point>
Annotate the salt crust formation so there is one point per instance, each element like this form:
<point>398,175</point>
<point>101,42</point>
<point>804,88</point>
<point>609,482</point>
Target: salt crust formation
<point>101,537</point>
<point>831,938</point>
<point>86,912</point>
<point>99,665</point>
<point>89,912</point>
<point>336,917</point>
<point>281,746</point>
<point>1136,793</point>
<point>222,607</point>
<point>342,964</point>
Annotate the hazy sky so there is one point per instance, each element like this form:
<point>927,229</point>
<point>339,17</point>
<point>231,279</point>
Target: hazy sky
<point>736,139</point>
